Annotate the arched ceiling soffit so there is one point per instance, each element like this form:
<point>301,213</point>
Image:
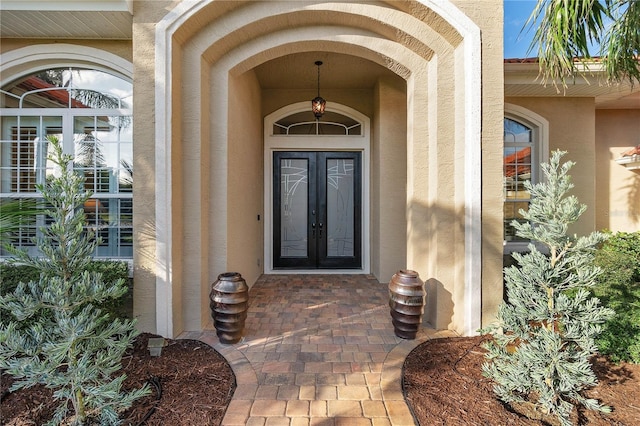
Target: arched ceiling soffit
<point>240,25</point>
<point>275,69</point>
<point>354,51</point>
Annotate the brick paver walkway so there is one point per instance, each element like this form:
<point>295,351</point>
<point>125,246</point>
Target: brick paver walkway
<point>317,350</point>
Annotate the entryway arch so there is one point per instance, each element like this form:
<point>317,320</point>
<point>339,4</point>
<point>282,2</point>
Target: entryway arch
<point>206,82</point>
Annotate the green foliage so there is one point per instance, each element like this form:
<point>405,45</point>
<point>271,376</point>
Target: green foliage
<point>621,44</point>
<point>12,274</point>
<point>565,29</point>
<point>68,344</point>
<point>625,243</point>
<point>545,332</point>
<point>619,288</point>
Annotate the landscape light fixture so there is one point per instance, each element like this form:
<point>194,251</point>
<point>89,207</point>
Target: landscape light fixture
<point>155,345</point>
<point>318,103</point>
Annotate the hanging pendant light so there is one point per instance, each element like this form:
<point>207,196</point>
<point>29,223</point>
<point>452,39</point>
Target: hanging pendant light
<point>318,103</point>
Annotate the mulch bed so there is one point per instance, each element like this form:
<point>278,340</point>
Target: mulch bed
<point>196,386</point>
<point>442,380</point>
<point>443,385</point>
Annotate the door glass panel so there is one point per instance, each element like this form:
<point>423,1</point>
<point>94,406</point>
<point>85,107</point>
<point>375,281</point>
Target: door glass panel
<point>294,207</point>
<point>340,207</point>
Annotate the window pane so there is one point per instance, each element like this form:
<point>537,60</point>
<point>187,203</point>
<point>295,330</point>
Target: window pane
<point>125,227</point>
<point>21,228</point>
<point>23,151</point>
<point>125,176</point>
<point>294,184</point>
<point>111,220</point>
<point>340,207</point>
<point>517,171</point>
<point>511,213</point>
<point>516,132</point>
<point>101,153</point>
<point>304,123</point>
<point>68,88</point>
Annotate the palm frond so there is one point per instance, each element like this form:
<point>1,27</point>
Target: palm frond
<point>621,46</point>
<point>126,175</point>
<point>566,30</point>
<point>13,214</point>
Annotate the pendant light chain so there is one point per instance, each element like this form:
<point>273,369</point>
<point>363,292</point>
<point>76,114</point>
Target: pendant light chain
<point>318,63</point>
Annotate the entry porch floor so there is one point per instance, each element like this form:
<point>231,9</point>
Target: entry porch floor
<point>318,350</point>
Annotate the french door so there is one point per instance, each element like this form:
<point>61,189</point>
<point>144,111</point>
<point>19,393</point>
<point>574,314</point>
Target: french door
<point>317,210</point>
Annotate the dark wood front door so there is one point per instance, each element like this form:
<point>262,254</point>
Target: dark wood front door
<point>317,210</point>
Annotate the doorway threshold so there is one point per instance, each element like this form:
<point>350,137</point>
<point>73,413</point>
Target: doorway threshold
<point>316,272</point>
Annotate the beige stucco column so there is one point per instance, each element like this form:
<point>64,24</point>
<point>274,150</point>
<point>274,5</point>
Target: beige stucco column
<point>389,176</point>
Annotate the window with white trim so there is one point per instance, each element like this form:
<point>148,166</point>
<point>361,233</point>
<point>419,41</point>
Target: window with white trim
<point>525,147</point>
<point>518,155</point>
<point>90,113</point>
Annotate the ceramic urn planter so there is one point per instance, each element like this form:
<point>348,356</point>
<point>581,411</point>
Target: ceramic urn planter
<point>229,302</point>
<point>406,301</point>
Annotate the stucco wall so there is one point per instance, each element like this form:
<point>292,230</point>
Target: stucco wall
<point>358,99</point>
<point>245,178</point>
<point>117,47</point>
<point>389,180</point>
<point>488,15</point>
<point>617,189</point>
<point>188,139</point>
<point>146,14</point>
<point>572,129</point>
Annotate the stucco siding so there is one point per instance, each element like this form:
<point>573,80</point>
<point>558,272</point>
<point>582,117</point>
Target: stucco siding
<point>427,75</point>
<point>245,178</point>
<point>488,15</point>
<point>146,15</point>
<point>438,135</point>
<point>617,188</point>
<point>122,48</point>
<point>389,180</point>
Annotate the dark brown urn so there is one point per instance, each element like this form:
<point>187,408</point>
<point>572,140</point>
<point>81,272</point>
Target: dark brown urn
<point>229,301</point>
<point>406,300</point>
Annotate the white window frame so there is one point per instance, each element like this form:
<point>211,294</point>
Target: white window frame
<point>540,154</point>
<point>67,116</point>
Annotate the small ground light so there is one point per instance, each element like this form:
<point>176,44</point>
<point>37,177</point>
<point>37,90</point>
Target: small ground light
<point>155,345</point>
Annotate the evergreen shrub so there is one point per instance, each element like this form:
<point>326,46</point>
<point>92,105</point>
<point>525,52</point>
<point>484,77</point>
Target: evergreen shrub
<point>112,270</point>
<point>58,335</point>
<point>544,336</point>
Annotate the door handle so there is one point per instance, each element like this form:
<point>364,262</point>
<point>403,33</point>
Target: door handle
<point>313,230</point>
<point>320,230</point>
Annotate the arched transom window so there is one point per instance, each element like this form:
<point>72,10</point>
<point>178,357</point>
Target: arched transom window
<point>331,123</point>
